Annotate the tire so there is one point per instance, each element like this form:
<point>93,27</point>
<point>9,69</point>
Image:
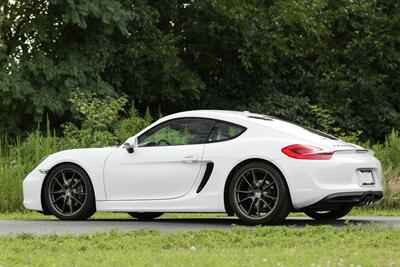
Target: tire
<point>257,188</point>
<point>145,216</point>
<point>329,215</point>
<point>68,193</point>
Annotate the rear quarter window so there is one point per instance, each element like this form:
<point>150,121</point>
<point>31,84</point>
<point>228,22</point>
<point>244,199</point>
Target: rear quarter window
<point>223,131</point>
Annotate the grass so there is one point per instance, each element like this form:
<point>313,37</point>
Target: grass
<point>27,215</point>
<point>374,212</point>
<point>354,245</point>
<point>259,246</point>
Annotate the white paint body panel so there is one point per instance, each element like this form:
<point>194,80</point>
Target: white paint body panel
<point>151,173</point>
<point>161,179</point>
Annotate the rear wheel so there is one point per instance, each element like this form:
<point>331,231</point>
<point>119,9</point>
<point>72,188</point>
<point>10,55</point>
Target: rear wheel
<point>68,193</point>
<point>330,214</point>
<point>145,216</point>
<point>258,194</point>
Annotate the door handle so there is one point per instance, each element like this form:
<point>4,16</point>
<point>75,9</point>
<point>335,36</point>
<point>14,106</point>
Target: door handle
<point>190,159</point>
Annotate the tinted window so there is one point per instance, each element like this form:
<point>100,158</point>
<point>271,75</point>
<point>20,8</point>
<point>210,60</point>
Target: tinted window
<point>185,131</point>
<point>224,131</point>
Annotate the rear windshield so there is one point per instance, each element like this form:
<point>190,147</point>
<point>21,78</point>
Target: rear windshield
<point>317,132</point>
<point>314,131</point>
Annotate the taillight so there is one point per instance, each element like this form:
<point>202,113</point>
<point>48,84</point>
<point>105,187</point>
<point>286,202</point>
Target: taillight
<point>306,152</point>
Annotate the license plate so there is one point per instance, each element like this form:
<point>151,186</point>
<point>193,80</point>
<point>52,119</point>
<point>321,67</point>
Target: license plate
<point>366,177</point>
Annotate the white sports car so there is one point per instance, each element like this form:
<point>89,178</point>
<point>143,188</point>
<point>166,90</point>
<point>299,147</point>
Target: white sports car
<point>255,166</point>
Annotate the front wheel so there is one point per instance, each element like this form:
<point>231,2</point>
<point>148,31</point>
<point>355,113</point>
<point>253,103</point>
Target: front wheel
<point>68,193</point>
<point>333,214</point>
<point>258,194</point>
<point>145,216</point>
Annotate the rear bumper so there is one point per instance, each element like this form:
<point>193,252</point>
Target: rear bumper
<point>312,181</point>
<point>346,199</point>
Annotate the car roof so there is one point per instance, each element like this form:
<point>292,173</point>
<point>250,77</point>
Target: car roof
<point>215,114</point>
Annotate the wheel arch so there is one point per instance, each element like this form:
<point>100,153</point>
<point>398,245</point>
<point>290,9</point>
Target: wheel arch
<point>46,210</point>
<point>227,205</point>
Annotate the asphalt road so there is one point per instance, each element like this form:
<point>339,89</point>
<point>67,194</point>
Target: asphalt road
<point>12,227</point>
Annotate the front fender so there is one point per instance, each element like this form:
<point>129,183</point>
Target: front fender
<point>90,160</point>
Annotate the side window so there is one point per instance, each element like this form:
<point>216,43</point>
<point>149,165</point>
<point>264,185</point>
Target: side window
<point>223,131</point>
<point>184,131</point>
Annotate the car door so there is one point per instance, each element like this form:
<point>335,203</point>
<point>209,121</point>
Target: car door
<point>164,165</point>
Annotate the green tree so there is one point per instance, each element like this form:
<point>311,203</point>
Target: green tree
<point>170,55</point>
<point>49,48</point>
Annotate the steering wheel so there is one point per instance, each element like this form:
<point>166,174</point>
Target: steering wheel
<point>163,142</point>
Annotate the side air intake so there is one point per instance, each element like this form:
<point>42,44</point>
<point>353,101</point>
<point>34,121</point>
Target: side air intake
<point>207,174</point>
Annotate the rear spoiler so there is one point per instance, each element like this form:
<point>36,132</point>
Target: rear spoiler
<point>356,150</point>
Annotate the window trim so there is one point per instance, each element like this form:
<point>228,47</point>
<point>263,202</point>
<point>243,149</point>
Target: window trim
<point>214,121</point>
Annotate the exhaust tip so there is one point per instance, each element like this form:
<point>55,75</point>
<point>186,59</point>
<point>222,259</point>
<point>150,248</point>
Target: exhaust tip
<point>371,200</point>
<point>368,200</point>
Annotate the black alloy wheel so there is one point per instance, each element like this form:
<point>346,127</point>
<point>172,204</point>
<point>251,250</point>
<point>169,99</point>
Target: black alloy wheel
<point>68,193</point>
<point>259,195</point>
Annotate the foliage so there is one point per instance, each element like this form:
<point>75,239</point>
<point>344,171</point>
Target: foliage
<point>240,246</point>
<point>389,155</point>
<point>306,61</point>
<point>50,48</point>
<point>99,114</point>
<point>16,161</point>
<point>389,151</point>
<point>99,117</point>
<point>134,123</point>
<point>338,55</point>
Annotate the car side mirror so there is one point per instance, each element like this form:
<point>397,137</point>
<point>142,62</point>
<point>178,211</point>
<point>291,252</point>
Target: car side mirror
<point>129,148</point>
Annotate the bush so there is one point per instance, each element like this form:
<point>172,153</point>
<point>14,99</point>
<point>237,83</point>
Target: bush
<point>16,161</point>
<point>97,117</point>
<point>389,155</point>
<point>133,124</point>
